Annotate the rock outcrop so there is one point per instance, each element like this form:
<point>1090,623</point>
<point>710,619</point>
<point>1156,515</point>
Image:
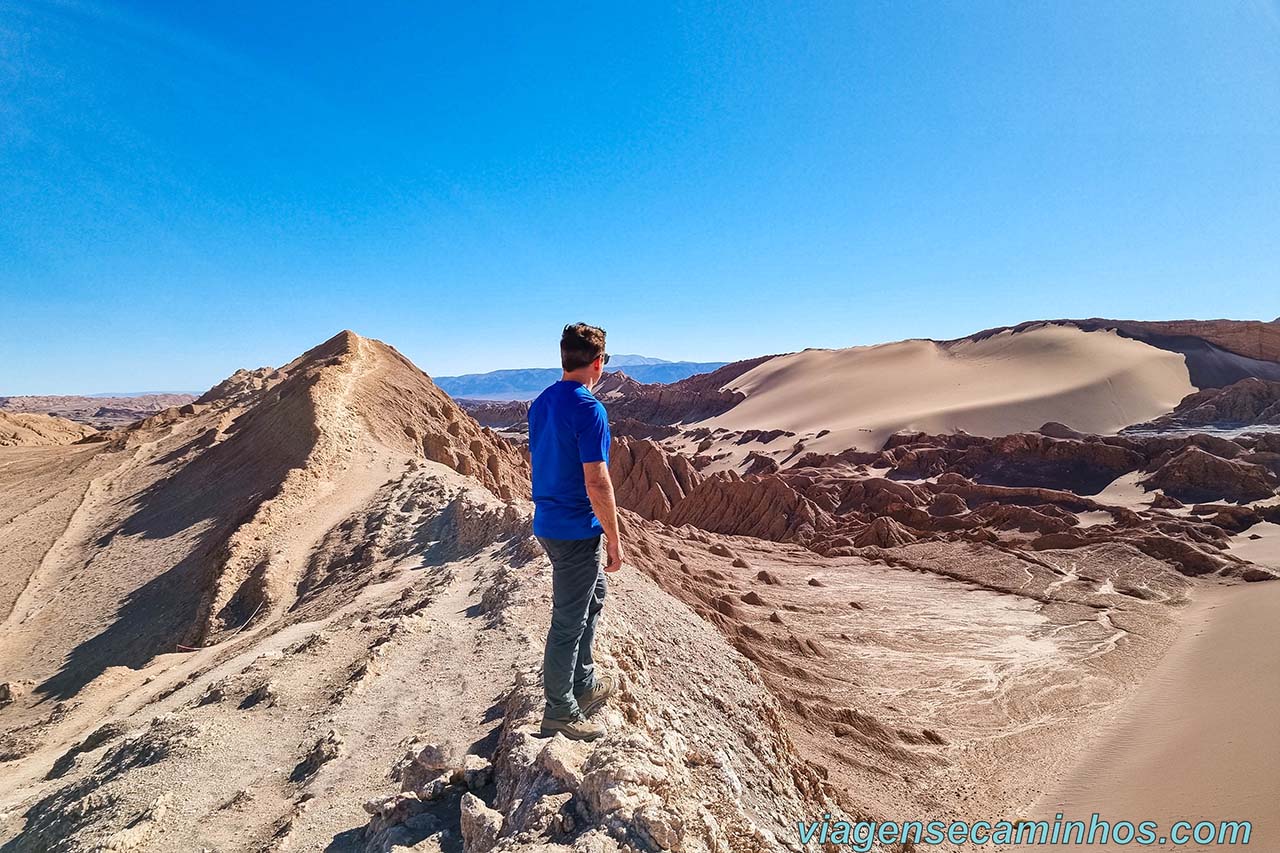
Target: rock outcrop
<point>1197,475</point>
<point>498,414</point>
<point>242,385</point>
<point>348,397</point>
<point>764,507</point>
<point>692,399</point>
<point>1245,403</point>
<point>22,429</point>
<point>884,532</point>
<point>648,480</point>
<point>983,490</point>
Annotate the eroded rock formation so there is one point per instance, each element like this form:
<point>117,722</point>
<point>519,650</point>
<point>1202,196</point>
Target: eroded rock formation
<point>1247,402</point>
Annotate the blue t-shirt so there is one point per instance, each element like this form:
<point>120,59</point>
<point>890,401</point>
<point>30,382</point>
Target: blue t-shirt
<point>567,428</point>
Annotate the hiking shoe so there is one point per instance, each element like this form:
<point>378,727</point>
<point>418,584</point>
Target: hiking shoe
<point>574,729</point>
<point>591,700</point>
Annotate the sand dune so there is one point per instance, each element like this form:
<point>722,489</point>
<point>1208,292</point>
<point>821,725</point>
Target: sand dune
<point>1010,382</point>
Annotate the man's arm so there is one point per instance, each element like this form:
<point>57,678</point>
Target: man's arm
<point>600,491</point>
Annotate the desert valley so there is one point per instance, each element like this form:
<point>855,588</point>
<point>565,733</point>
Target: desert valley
<point>988,578</point>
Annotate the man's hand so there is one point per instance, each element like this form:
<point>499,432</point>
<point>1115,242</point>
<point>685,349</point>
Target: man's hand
<point>600,491</point>
<point>613,553</point>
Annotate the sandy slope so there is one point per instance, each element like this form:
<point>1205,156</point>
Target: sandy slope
<point>1198,739</point>
<point>1092,381</point>
<point>1259,544</point>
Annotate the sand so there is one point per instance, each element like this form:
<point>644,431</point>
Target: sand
<point>1198,739</point>
<point>1265,550</point>
<point>1124,491</point>
<point>934,695</point>
<point>1091,381</point>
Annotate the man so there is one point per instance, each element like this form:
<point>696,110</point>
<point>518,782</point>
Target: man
<point>573,508</point>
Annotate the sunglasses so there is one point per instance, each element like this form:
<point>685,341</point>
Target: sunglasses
<point>604,358</point>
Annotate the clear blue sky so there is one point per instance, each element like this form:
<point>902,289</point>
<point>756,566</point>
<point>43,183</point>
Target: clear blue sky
<point>188,188</point>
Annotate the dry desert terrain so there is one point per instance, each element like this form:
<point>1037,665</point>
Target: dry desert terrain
<point>974,579</point>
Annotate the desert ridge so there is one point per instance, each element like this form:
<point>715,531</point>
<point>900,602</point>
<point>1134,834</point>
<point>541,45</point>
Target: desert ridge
<point>318,584</point>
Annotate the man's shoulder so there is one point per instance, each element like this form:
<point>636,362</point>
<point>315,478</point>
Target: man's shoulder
<point>573,395</point>
<point>587,402</point>
<point>571,399</point>
<point>582,392</point>
<point>548,397</point>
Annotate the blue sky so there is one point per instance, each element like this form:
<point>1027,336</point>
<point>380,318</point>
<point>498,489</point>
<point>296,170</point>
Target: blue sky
<point>188,188</point>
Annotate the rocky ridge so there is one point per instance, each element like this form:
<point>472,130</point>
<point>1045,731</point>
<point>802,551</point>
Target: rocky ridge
<point>352,579</point>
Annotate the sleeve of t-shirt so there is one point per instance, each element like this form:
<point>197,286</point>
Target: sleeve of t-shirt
<point>593,433</point>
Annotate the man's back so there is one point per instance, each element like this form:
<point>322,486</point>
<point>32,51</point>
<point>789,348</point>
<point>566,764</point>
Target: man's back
<point>567,428</point>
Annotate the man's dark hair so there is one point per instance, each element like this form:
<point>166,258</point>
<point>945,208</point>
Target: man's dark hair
<point>580,345</point>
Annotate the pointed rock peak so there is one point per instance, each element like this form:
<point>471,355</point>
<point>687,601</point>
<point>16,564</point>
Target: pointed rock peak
<point>343,343</point>
<point>884,532</point>
<point>346,338</point>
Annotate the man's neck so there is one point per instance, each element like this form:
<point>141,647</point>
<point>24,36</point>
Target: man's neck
<point>582,377</point>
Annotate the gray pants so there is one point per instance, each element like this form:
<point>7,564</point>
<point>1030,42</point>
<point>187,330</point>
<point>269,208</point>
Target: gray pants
<point>577,594</point>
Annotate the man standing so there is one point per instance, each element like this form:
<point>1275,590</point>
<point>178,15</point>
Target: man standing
<point>573,507</point>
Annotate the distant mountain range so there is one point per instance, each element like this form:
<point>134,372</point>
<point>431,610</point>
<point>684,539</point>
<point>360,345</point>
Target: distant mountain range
<point>632,360</point>
<point>126,394</point>
<point>527,383</point>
